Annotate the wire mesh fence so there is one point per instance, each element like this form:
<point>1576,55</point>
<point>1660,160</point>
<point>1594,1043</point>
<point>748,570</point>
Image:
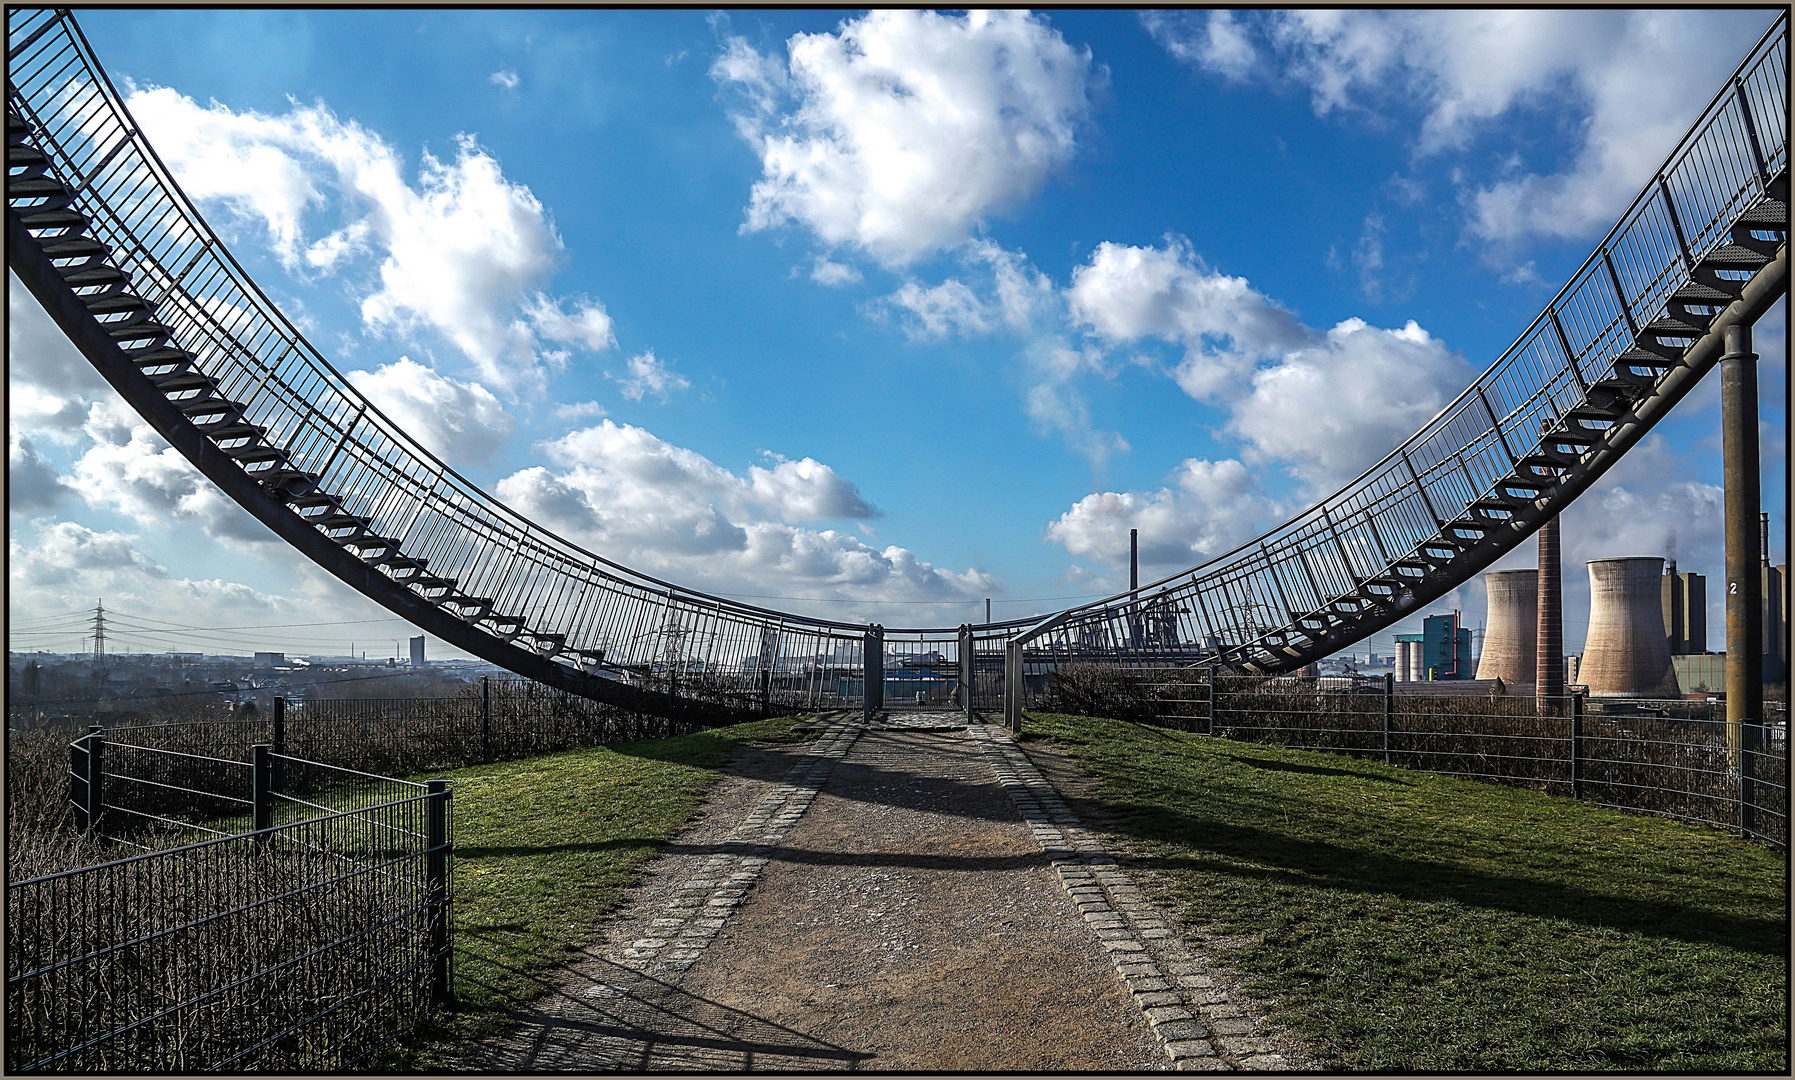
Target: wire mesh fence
<point>311,928</point>
<point>495,719</point>
<point>1676,758</point>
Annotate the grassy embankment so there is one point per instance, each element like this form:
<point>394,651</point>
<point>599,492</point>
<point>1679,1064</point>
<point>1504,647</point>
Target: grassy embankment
<point>1403,921</point>
<point>544,850</point>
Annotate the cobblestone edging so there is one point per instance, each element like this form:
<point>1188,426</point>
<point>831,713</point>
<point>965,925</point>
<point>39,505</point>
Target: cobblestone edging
<point>1201,1028</point>
<point>693,916</point>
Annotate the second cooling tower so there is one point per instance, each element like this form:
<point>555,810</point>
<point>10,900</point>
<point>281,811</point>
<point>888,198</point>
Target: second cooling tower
<point>1511,634</point>
<point>1626,654</point>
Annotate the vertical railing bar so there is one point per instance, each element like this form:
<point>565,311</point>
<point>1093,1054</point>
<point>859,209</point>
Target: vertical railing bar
<point>1676,224</point>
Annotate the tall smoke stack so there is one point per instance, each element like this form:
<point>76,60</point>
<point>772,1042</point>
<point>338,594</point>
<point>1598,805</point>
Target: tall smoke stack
<point>1511,639</point>
<point>1626,654</point>
<point>1548,678</point>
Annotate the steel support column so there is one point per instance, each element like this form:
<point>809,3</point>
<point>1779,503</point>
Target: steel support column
<point>1744,583</point>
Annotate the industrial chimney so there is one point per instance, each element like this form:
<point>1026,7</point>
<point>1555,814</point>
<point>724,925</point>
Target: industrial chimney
<point>1626,654</point>
<point>1510,644</point>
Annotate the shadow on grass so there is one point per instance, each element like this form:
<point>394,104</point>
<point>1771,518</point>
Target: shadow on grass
<point>1318,864</point>
<point>1318,770</point>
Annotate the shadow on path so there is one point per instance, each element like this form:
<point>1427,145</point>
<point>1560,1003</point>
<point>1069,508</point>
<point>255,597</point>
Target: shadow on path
<point>605,1017</point>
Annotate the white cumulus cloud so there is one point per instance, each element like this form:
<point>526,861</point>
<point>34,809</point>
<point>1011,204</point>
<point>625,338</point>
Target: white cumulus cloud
<point>1339,403</point>
<point>633,497</point>
<point>461,250</point>
<point>1205,509</point>
<point>1125,293</point>
<point>1629,83</point>
<point>649,376</point>
<point>457,421</point>
<point>906,128</point>
<point>32,483</point>
<point>127,468</point>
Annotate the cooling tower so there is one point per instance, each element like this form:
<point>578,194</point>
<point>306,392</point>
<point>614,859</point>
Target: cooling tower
<point>1511,630</point>
<point>1626,654</point>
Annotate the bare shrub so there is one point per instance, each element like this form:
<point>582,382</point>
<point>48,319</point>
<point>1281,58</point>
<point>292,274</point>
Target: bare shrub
<point>1090,689</point>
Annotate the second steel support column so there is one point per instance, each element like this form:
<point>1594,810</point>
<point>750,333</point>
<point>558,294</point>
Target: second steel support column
<point>1744,583</point>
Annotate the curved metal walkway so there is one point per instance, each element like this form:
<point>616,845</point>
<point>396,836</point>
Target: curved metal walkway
<point>102,235</point>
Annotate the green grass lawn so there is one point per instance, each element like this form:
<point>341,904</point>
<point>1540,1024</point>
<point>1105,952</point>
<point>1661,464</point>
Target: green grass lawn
<point>1403,921</point>
<point>544,850</point>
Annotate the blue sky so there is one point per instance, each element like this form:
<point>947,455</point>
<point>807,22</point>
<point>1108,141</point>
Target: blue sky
<point>886,313</point>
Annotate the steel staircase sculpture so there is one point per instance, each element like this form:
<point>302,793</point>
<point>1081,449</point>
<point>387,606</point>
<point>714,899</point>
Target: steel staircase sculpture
<point>101,234</point>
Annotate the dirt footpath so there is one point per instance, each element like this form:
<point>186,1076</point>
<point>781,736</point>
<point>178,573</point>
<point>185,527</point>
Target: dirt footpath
<point>875,901</point>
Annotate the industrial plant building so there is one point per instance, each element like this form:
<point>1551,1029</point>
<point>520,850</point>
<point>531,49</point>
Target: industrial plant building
<point>1440,653</point>
<point>1685,602</point>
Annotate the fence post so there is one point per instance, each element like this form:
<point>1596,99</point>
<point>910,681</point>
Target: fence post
<point>485,719</point>
<point>1750,736</point>
<point>1389,707</point>
<point>96,778</point>
<point>261,777</point>
<point>1576,746</point>
<point>436,883</point>
<point>968,669</point>
<point>1209,677</point>
<point>1012,684</point>
<point>277,780</point>
<point>78,752</point>
<point>872,672</point>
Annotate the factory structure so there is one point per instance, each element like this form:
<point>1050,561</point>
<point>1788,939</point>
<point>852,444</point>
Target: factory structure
<point>1440,653</point>
<point>1647,635</point>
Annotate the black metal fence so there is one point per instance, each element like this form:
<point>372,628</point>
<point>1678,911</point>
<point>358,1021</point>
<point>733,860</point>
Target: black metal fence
<point>1677,758</point>
<point>301,943</point>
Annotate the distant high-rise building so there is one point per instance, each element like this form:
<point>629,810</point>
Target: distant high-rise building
<point>417,651</point>
<point>1685,601</point>
<point>270,659</point>
<point>1445,648</point>
<point>1776,623</point>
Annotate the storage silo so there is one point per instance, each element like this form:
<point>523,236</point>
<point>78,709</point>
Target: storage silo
<point>1511,634</point>
<point>1626,653</point>
<point>1408,658</point>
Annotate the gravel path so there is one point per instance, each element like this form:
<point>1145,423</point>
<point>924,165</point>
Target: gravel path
<point>888,898</point>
